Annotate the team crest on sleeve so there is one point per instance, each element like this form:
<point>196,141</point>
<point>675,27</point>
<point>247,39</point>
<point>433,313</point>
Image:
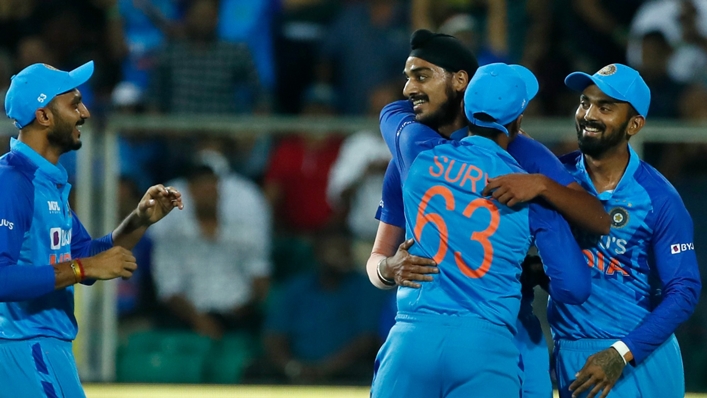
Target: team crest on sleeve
<point>619,217</point>
<point>608,70</point>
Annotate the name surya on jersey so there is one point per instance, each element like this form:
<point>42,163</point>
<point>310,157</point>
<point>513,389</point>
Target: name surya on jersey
<point>466,172</point>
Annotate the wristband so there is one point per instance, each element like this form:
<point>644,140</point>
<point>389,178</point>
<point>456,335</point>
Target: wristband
<point>622,349</point>
<point>386,281</point>
<point>82,269</point>
<point>79,272</point>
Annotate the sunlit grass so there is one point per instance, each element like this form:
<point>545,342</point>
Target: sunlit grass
<point>170,391</point>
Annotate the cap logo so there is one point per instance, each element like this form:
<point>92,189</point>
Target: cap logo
<point>41,98</point>
<point>608,70</point>
<point>50,67</point>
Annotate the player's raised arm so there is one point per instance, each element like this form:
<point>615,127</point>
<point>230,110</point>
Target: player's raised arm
<point>562,258</point>
<point>157,202</point>
<point>549,180</point>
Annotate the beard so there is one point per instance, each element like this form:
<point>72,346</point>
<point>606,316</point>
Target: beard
<point>62,136</point>
<point>596,147</point>
<point>447,112</point>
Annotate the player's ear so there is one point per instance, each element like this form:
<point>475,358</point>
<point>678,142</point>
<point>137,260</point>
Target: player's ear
<point>43,116</point>
<point>460,80</point>
<point>635,124</point>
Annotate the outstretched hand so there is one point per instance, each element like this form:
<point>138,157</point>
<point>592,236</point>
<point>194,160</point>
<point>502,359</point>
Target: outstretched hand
<point>511,189</point>
<point>157,202</point>
<point>601,371</point>
<point>405,268</point>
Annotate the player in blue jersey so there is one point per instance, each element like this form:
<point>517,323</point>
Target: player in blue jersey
<point>470,309</point>
<point>441,98</point>
<point>620,340</point>
<point>44,249</point>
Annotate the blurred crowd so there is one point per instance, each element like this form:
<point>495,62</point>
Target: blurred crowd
<point>276,230</point>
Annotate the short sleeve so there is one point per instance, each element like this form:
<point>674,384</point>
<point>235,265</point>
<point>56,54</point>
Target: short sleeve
<point>405,137</point>
<point>390,209</point>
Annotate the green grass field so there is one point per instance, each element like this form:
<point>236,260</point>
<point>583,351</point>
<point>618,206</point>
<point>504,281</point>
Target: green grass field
<point>201,391</point>
<point>171,391</point>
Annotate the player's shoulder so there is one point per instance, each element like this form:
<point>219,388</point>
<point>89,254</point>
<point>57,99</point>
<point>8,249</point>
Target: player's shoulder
<point>16,173</point>
<point>570,159</point>
<point>396,107</point>
<point>658,188</point>
<point>532,155</point>
<point>526,143</point>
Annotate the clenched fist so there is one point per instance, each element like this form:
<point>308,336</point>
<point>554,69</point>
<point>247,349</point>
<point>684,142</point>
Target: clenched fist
<point>113,263</point>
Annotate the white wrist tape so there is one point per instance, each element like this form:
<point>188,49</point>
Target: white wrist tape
<point>622,349</point>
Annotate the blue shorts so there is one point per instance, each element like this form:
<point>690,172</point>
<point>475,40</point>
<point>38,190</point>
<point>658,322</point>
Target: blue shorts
<point>446,356</point>
<point>38,367</point>
<point>660,375</point>
<point>534,357</point>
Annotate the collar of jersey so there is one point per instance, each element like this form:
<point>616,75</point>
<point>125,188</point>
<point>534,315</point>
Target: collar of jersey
<point>54,172</point>
<point>633,163</point>
<point>459,134</point>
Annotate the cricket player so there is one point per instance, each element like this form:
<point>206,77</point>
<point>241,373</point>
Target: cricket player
<point>44,249</point>
<point>651,240</point>
<point>469,310</point>
<point>436,61</point>
<point>645,278</point>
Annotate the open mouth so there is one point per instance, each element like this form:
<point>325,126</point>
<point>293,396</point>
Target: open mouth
<point>417,104</point>
<point>592,131</point>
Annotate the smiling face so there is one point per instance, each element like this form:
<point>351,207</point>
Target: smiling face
<point>69,113</point>
<point>434,93</point>
<point>604,123</point>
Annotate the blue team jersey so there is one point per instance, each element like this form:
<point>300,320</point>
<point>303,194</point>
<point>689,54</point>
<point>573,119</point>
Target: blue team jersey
<point>532,156</point>
<point>477,243</point>
<point>648,253</point>
<point>37,229</point>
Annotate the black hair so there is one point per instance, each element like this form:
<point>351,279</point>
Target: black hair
<point>488,132</point>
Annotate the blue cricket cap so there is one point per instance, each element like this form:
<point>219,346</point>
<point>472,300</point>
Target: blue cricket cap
<point>500,92</point>
<point>619,82</point>
<point>36,85</point>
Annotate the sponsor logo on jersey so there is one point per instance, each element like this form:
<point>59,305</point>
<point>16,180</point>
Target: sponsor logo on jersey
<point>619,217</point>
<point>611,243</point>
<point>59,238</point>
<point>676,248</point>
<point>53,206</point>
<point>6,223</point>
